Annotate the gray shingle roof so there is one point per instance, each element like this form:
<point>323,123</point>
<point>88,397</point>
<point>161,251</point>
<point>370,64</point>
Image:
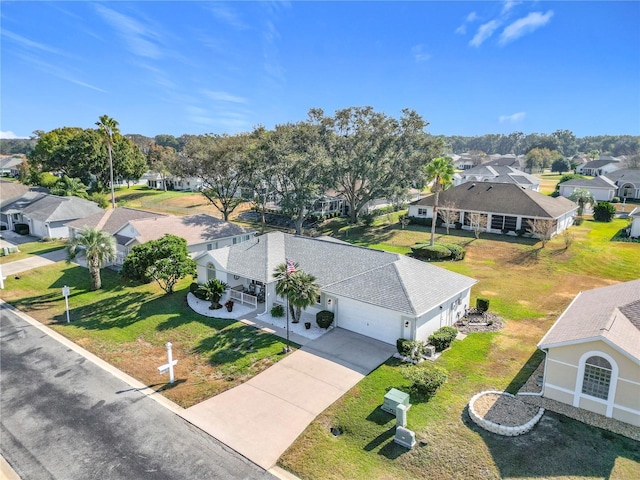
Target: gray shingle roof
<point>50,208</point>
<point>598,182</point>
<point>388,280</point>
<point>502,198</point>
<point>610,313</point>
<point>631,175</point>
<point>112,220</point>
<point>500,174</point>
<point>598,163</point>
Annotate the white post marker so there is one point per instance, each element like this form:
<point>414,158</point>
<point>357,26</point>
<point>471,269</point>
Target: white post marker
<point>168,367</point>
<point>65,293</point>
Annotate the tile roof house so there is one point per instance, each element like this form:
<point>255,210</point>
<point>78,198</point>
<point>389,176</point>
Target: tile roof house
<point>593,353</point>
<point>383,295</point>
<point>505,207</point>
<point>627,181</point>
<point>602,189</point>
<point>202,232</point>
<point>497,174</point>
<point>47,215</point>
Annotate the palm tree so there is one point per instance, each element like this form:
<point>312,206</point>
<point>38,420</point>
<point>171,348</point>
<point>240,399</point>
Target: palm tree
<point>109,127</point>
<point>582,197</point>
<point>440,170</point>
<point>67,187</point>
<point>298,287</point>
<point>98,247</point>
<point>212,291</point>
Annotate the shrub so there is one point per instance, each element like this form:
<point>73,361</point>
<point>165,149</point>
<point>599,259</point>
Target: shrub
<point>404,346</point>
<point>100,198</point>
<point>420,221</point>
<point>458,225</point>
<point>442,338</point>
<point>324,318</point>
<point>432,252</point>
<point>615,200</point>
<point>277,311</point>
<point>577,220</point>
<point>604,212</point>
<point>482,304</point>
<point>521,231</point>
<point>425,378</point>
<point>457,252</point>
<point>193,288</point>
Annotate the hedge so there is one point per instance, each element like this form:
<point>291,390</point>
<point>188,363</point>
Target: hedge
<point>324,318</point>
<point>426,378</point>
<point>442,338</point>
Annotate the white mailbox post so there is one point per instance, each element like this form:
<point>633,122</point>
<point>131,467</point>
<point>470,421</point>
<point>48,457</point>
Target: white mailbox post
<point>168,367</point>
<point>65,293</point>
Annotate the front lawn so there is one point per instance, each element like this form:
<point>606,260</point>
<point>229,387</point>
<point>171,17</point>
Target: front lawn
<point>33,248</point>
<point>128,326</point>
<point>529,286</point>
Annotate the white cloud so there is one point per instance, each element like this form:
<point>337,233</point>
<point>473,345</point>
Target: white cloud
<point>524,26</point>
<point>57,70</point>
<point>9,135</point>
<point>224,96</point>
<point>138,37</point>
<point>462,29</point>
<point>472,17</point>
<point>484,32</point>
<point>514,118</point>
<point>419,53</point>
<point>508,5</point>
<point>30,44</point>
<point>228,16</point>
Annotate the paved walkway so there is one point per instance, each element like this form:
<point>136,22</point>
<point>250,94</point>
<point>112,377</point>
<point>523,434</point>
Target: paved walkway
<point>262,417</point>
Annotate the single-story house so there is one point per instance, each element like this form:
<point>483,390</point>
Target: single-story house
<point>602,166</point>
<point>627,180</point>
<point>503,206</point>
<point>516,162</point>
<point>173,182</point>
<point>202,232</point>
<point>46,215</point>
<point>382,295</point>
<point>634,231</point>
<point>10,165</point>
<point>593,353</point>
<point>497,174</point>
<point>110,221</point>
<point>602,189</point>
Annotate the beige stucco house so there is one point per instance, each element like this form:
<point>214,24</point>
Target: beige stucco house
<point>593,353</point>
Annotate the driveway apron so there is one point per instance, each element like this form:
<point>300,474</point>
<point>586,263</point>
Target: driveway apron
<point>261,418</point>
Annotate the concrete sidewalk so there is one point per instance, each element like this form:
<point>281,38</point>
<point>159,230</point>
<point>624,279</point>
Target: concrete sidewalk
<point>261,418</point>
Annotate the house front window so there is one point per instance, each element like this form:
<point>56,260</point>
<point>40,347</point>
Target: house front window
<point>597,377</point>
<point>422,212</point>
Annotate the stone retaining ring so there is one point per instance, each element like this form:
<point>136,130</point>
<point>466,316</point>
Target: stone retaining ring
<point>501,429</point>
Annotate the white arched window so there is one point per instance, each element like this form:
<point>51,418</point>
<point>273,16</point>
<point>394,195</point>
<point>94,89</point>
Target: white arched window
<point>596,380</point>
<point>211,271</point>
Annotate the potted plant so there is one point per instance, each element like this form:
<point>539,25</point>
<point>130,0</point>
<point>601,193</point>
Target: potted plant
<point>307,325</point>
<point>229,305</point>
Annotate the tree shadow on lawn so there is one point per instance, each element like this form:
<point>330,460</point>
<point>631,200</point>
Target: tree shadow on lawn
<point>557,446</point>
<point>235,342</point>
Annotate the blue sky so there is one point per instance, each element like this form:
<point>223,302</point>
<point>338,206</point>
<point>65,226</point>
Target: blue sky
<point>469,68</point>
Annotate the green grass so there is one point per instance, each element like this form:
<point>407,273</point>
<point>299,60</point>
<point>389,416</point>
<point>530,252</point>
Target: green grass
<point>33,248</point>
<point>128,325</point>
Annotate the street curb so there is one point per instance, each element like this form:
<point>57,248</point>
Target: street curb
<point>138,385</point>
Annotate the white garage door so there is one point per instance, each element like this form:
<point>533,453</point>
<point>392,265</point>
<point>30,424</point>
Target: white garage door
<point>368,320</point>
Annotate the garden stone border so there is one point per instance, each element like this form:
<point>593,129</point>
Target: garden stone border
<point>501,429</point>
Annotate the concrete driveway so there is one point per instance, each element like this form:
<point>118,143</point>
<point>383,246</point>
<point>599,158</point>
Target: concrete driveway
<point>34,261</point>
<point>261,418</point>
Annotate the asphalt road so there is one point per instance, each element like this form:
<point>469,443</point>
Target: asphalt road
<point>64,418</point>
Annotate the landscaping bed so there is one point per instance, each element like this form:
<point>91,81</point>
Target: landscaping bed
<point>502,413</point>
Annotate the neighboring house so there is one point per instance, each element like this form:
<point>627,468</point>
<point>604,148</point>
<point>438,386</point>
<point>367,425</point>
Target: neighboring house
<point>513,161</point>
<point>46,215</point>
<point>601,187</point>
<point>382,295</point>
<point>503,206</point>
<point>593,353</point>
<point>172,182</point>
<point>497,174</point>
<point>10,190</point>
<point>110,221</point>
<point>627,181</point>
<point>634,230</point>
<point>599,167</point>
<point>10,165</point>
<point>463,162</point>
<point>202,232</point>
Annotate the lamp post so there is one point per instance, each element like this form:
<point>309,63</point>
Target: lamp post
<point>65,293</point>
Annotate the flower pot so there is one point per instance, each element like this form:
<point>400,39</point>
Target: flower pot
<point>307,325</point>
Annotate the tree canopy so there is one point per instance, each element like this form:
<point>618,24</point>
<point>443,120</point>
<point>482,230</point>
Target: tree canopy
<point>165,260</point>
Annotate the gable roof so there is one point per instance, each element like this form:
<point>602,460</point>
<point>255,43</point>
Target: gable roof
<point>623,175</point>
<point>610,314</point>
<point>194,229</point>
<point>9,190</point>
<point>501,174</point>
<point>598,163</point>
<point>501,198</point>
<point>112,220</point>
<point>50,208</point>
<point>384,279</point>
<point>595,182</point>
